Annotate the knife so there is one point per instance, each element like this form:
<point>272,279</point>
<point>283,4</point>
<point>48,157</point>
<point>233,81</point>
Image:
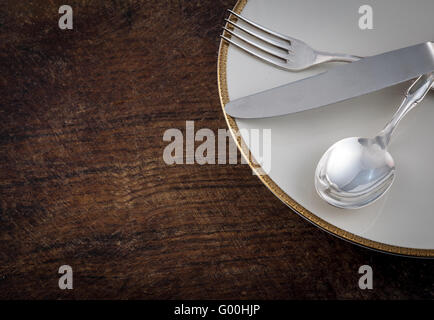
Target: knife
<point>338,84</point>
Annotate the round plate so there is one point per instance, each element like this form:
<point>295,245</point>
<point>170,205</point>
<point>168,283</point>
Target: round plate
<point>402,221</point>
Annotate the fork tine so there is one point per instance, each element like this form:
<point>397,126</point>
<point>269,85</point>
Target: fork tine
<point>274,33</point>
<point>259,36</point>
<point>256,54</point>
<point>256,45</point>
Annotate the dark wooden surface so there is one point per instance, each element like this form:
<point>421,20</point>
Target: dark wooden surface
<point>83,181</point>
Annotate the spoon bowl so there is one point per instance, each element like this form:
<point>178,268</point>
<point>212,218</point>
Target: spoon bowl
<point>354,172</point>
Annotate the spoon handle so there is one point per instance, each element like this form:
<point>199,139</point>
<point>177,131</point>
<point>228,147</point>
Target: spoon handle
<point>414,95</point>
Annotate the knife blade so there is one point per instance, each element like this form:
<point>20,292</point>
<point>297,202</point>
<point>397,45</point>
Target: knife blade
<point>338,84</point>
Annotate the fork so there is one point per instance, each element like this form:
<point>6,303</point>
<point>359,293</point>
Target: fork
<point>282,51</point>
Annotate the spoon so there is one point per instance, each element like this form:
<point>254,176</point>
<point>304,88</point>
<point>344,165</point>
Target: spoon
<point>354,172</point>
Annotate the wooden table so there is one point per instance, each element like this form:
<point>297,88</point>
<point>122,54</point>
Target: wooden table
<point>83,181</point>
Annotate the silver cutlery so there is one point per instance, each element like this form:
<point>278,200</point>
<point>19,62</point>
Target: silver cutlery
<point>281,50</point>
<point>355,172</point>
<point>338,84</point>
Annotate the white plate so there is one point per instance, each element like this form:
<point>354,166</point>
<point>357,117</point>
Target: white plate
<point>401,222</point>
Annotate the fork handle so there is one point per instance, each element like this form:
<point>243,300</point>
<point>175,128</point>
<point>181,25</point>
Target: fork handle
<point>337,57</point>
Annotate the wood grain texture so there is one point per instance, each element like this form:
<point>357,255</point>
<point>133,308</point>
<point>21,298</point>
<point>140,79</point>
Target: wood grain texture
<point>83,181</point>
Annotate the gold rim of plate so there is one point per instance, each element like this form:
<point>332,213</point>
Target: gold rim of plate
<point>276,190</point>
